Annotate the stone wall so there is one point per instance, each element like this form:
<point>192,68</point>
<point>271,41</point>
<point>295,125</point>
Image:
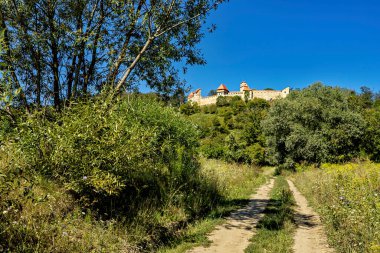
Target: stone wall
<point>208,100</point>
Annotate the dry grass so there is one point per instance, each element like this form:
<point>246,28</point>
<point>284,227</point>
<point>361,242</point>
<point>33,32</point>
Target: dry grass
<point>46,219</point>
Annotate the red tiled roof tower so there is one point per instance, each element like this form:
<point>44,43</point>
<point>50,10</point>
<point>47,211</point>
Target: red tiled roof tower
<point>222,87</point>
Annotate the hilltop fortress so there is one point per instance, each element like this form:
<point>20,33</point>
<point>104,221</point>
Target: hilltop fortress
<point>245,93</point>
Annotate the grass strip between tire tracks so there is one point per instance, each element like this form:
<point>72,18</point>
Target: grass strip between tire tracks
<point>276,229</point>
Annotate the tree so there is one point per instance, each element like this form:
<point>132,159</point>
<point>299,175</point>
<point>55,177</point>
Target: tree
<point>222,101</point>
<point>313,125</point>
<point>258,104</point>
<point>212,93</point>
<point>366,96</point>
<point>189,108</point>
<point>363,100</point>
<point>58,55</point>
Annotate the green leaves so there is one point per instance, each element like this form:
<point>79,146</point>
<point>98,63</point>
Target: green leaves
<point>314,125</point>
<point>53,50</point>
<point>99,154</point>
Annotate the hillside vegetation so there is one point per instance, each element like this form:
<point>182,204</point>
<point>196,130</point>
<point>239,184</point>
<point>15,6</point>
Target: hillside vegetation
<point>328,137</point>
<point>314,125</point>
<point>231,129</point>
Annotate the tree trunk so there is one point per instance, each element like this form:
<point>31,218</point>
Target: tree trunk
<point>133,65</point>
<point>70,77</point>
<point>116,66</point>
<point>10,64</point>
<point>55,60</point>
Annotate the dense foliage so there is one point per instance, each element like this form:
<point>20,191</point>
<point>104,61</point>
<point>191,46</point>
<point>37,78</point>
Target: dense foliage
<point>231,129</point>
<point>136,159</point>
<point>372,133</point>
<point>82,178</point>
<point>320,124</point>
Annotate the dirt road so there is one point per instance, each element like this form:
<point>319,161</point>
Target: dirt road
<point>310,236</point>
<point>234,235</point>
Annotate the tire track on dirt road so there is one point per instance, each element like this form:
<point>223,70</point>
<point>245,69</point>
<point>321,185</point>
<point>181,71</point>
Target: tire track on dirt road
<point>234,235</point>
<point>310,236</point>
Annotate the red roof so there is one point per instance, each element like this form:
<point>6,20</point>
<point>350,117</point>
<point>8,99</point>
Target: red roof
<point>191,95</point>
<point>197,91</point>
<point>245,88</point>
<point>222,87</point>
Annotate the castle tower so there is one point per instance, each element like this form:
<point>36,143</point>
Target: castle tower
<point>195,96</point>
<point>244,86</point>
<point>222,90</point>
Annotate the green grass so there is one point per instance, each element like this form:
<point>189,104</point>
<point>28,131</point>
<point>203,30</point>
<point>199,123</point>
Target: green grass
<point>236,183</point>
<point>275,230</point>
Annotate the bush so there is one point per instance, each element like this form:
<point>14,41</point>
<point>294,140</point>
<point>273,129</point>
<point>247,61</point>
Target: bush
<point>258,104</point>
<point>213,148</point>
<point>372,134</point>
<point>134,149</point>
<point>222,101</point>
<point>211,109</point>
<point>189,108</point>
<point>256,154</point>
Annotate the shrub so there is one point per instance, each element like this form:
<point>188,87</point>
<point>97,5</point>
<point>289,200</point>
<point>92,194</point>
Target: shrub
<point>212,109</point>
<point>258,104</point>
<point>213,148</point>
<point>136,149</point>
<point>372,134</point>
<point>189,108</point>
<point>222,101</point>
<point>256,154</point>
<point>135,161</point>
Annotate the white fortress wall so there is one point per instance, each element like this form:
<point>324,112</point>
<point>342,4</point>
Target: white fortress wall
<point>235,93</point>
<point>266,94</point>
<point>208,100</point>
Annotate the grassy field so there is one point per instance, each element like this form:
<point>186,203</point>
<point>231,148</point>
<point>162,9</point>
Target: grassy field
<point>348,200</point>
<point>236,183</point>
<point>275,230</point>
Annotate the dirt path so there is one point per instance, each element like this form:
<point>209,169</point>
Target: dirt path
<point>234,235</point>
<point>310,236</point>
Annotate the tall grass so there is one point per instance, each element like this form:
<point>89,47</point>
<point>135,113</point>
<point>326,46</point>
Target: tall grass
<point>235,183</point>
<point>348,200</point>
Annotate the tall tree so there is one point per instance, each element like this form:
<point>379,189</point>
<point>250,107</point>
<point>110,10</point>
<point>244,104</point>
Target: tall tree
<point>63,49</point>
<point>316,124</point>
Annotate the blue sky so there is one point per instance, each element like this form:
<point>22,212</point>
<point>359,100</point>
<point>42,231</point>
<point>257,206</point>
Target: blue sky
<point>279,43</point>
